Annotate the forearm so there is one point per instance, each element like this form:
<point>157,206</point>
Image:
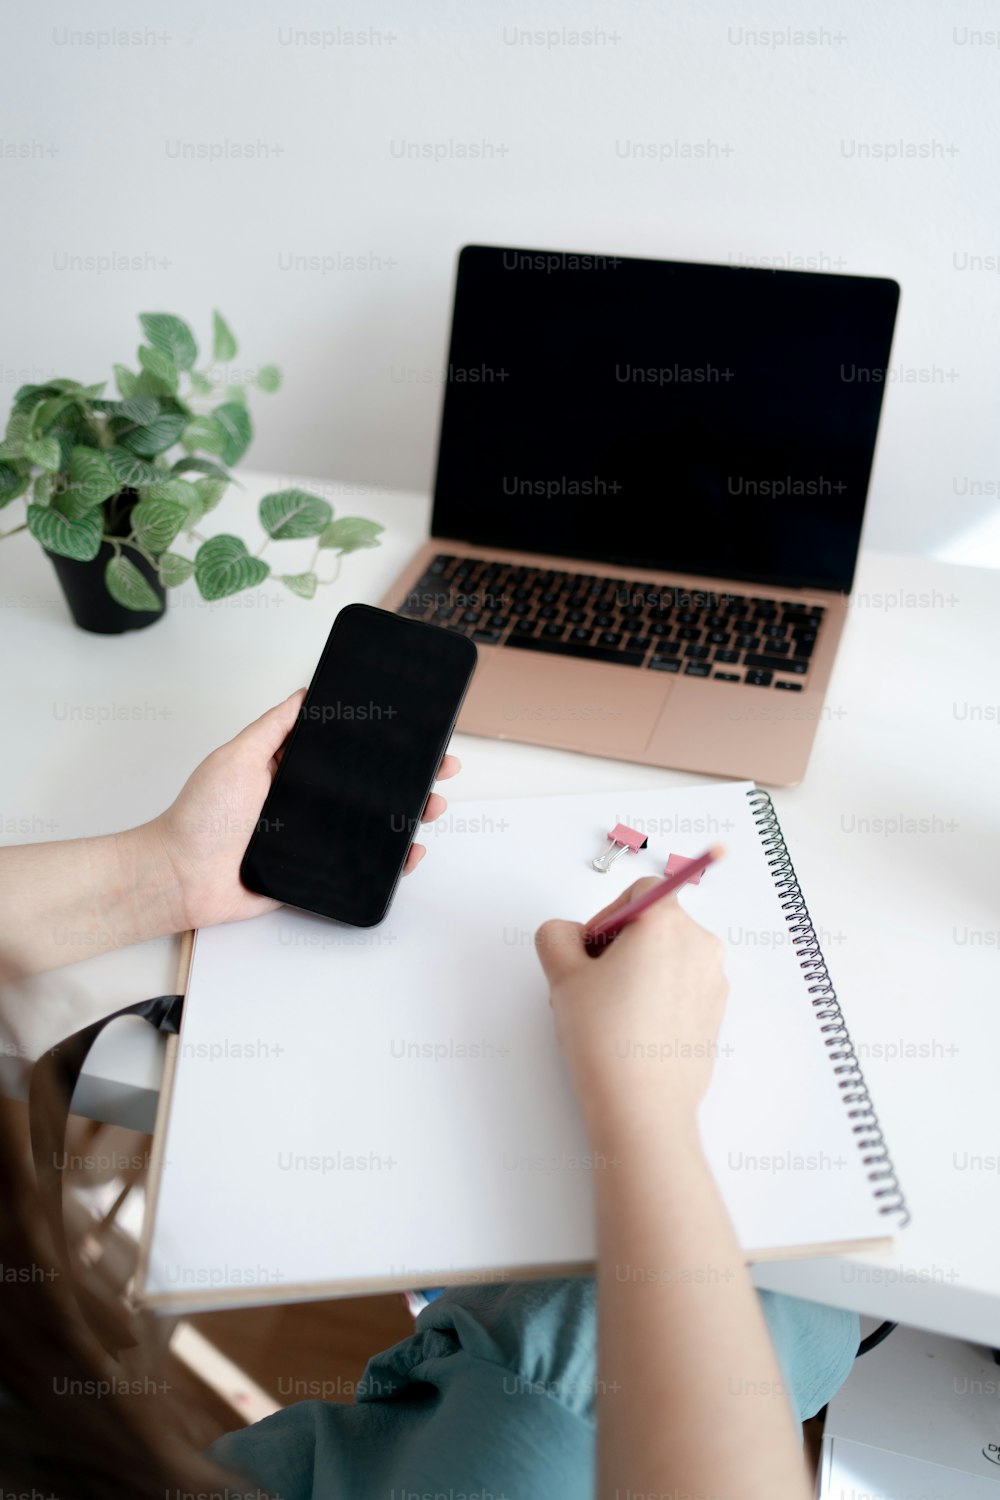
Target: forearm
<point>65,901</point>
<point>690,1398</point>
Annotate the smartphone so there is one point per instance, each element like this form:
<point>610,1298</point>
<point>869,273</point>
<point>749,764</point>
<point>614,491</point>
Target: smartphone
<point>358,766</point>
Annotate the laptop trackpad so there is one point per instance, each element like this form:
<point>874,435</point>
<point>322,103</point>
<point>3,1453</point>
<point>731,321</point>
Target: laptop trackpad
<point>558,700</point>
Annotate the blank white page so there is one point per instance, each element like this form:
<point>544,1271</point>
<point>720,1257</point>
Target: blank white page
<point>389,1105</point>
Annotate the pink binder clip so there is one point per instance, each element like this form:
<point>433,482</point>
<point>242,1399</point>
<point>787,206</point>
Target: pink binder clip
<point>675,864</point>
<point>621,840</point>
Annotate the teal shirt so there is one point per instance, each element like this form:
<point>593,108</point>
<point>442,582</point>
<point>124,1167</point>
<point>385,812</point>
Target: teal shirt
<point>492,1398</point>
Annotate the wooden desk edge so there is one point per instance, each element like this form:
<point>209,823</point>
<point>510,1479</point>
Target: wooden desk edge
<point>160,1129</point>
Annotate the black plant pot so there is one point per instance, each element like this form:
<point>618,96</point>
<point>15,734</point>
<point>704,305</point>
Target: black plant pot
<point>90,604</point>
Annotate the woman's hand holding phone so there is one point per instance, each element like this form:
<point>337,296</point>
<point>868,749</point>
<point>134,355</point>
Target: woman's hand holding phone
<point>201,838</point>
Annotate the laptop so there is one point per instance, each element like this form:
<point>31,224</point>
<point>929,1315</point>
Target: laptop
<point>650,488</point>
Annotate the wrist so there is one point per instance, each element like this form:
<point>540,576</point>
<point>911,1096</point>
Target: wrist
<point>633,1125</point>
<point>156,897</point>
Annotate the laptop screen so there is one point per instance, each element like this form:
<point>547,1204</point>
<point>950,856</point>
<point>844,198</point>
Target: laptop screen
<point>695,419</point>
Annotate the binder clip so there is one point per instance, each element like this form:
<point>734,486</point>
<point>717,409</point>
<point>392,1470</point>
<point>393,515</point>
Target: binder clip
<point>675,864</point>
<point>621,840</point>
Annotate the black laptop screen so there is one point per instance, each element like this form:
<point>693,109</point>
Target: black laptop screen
<point>698,419</point>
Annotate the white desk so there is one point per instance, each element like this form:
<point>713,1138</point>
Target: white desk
<point>102,732</point>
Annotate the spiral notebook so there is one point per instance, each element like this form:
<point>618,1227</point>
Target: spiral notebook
<point>350,1110</point>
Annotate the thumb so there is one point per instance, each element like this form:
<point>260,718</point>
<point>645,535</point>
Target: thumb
<point>267,734</point>
<point>560,949</point>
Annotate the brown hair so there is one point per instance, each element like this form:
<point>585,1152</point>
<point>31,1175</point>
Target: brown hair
<point>75,1422</point>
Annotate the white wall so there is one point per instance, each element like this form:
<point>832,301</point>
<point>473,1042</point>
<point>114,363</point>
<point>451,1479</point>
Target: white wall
<point>90,168</point>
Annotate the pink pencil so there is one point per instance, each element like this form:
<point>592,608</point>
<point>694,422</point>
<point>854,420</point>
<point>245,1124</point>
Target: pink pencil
<point>597,938</point>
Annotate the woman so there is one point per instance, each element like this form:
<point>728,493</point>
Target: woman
<point>693,1382</point>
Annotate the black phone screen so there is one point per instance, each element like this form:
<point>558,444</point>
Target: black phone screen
<point>347,797</point>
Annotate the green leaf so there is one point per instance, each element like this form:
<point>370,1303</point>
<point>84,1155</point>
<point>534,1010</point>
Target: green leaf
<point>269,378</point>
<point>46,412</point>
<point>204,432</point>
<point>18,432</point>
<point>174,569</point>
<point>125,380</point>
<point>294,513</point>
<point>172,336</point>
<point>127,586</point>
<point>42,489</point>
<point>236,393</point>
<point>160,371</point>
<point>71,432</point>
<point>303,584</point>
<point>90,481</point>
<point>35,401</point>
<point>92,475</point>
<point>210,492</point>
<point>223,566</point>
<point>14,480</point>
<point>62,411</point>
<point>80,539</point>
<point>157,522</point>
<point>148,385</point>
<point>26,397</point>
<point>350,533</point>
<point>155,437</point>
<point>169,487</point>
<point>202,466</point>
<point>224,345</point>
<point>234,420</point>
<point>72,395</point>
<point>141,409</point>
<point>44,452</point>
<point>200,384</point>
<point>131,472</point>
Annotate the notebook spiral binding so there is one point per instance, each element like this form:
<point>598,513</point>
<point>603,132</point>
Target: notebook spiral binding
<point>836,1037</point>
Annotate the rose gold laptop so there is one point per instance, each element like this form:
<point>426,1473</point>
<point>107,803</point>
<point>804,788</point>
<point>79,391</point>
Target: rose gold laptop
<point>650,490</point>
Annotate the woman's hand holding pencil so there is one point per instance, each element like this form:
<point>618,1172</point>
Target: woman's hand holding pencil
<point>639,1025</point>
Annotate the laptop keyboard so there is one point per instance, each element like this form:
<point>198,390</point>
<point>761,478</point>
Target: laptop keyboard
<point>727,637</point>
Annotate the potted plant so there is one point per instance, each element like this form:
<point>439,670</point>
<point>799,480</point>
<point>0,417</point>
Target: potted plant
<point>117,487</point>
